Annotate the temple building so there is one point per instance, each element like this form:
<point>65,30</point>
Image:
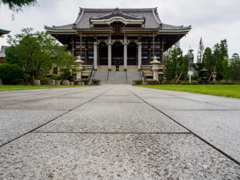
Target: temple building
<point>129,38</point>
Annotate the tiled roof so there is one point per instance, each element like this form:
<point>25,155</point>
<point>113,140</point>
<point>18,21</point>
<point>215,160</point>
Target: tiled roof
<point>150,15</point>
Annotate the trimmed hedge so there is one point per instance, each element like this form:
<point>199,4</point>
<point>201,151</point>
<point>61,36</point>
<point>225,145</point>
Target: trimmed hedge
<point>96,81</point>
<point>152,82</point>
<point>11,74</point>
<point>137,82</point>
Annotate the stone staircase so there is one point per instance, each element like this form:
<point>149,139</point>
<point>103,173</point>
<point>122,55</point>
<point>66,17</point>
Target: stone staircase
<point>102,76</point>
<point>117,77</point>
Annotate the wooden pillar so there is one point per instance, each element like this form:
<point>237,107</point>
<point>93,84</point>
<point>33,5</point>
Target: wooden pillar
<point>125,53</point>
<point>109,53</point>
<point>149,51</point>
<point>139,56</point>
<point>86,51</point>
<point>162,51</point>
<point>95,55</point>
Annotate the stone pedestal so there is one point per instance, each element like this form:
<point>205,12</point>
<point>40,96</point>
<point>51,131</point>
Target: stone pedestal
<point>51,82</point>
<point>36,82</point>
<point>155,67</point>
<point>57,83</point>
<point>65,82</point>
<point>79,68</point>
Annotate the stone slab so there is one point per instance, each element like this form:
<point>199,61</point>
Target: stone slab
<point>14,123</point>
<point>56,103</point>
<point>113,117</point>
<point>220,128</point>
<point>107,156</point>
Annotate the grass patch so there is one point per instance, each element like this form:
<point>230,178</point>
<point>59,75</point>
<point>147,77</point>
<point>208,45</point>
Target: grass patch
<point>23,87</point>
<point>217,90</point>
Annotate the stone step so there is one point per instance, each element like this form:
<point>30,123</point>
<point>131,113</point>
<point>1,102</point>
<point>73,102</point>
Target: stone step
<point>133,76</point>
<point>117,77</point>
<point>102,76</point>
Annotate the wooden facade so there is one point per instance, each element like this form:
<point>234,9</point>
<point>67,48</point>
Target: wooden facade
<point>129,37</point>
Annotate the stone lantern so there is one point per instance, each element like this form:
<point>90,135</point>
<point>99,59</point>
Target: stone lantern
<point>79,68</point>
<point>155,67</point>
<point>214,74</point>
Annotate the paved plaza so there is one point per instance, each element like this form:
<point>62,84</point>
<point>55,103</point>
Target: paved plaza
<point>118,132</point>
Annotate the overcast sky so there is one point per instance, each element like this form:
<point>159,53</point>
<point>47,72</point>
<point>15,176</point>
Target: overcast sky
<point>213,20</point>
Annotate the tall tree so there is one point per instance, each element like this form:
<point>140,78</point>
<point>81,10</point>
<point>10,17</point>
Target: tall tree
<point>200,52</point>
<point>34,52</point>
<point>208,59</point>
<point>17,5</point>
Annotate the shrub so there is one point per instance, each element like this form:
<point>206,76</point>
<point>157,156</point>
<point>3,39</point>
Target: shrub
<point>10,72</point>
<point>55,77</point>
<point>16,81</point>
<point>185,83</point>
<point>227,82</point>
<point>44,80</point>
<point>152,82</point>
<point>96,81</point>
<point>84,80</point>
<point>137,82</point>
<point>194,83</point>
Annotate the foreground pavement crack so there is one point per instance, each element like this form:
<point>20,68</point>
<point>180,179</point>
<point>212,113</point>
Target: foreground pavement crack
<point>130,133</point>
<point>197,136</point>
<point>54,119</point>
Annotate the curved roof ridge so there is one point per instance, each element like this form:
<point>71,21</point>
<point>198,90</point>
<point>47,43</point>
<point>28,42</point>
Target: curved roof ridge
<point>154,11</point>
<point>80,15</point>
<point>174,26</point>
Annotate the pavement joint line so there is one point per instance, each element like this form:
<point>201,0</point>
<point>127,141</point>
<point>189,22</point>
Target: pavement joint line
<point>205,141</point>
<point>127,133</point>
<point>53,119</point>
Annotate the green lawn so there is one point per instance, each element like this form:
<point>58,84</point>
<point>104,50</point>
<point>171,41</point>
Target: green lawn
<point>22,87</point>
<point>218,90</point>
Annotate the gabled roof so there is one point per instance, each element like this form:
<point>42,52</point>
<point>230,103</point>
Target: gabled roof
<point>150,16</point>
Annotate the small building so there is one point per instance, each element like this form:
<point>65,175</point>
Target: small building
<point>129,38</point>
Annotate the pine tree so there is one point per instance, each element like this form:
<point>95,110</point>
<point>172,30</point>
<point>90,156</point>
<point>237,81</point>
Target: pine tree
<point>200,52</point>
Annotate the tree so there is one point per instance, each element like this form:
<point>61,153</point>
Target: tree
<point>208,60</point>
<point>173,59</point>
<point>17,5</point>
<point>235,57</point>
<point>200,53</point>
<point>35,52</point>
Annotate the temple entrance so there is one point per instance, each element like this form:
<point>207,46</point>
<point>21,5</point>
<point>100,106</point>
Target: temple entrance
<point>117,53</point>
<point>132,54</point>
<point>103,54</point>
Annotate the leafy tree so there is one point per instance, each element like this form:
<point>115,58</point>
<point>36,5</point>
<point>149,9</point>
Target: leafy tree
<point>173,59</point>
<point>227,70</point>
<point>17,5</point>
<point>208,59</point>
<point>35,52</point>
<point>235,57</point>
<point>235,71</point>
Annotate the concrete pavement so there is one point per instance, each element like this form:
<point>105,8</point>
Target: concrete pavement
<point>118,132</point>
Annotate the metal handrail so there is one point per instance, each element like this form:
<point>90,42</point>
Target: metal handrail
<point>143,76</point>
<point>90,76</point>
